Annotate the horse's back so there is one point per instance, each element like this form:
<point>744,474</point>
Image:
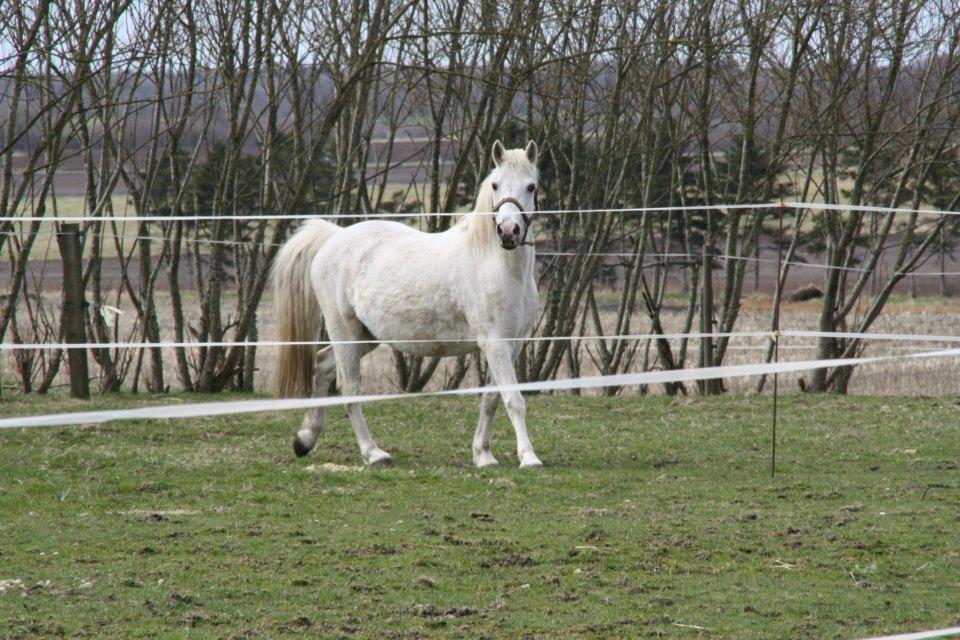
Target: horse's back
<point>378,244</point>
<point>399,283</point>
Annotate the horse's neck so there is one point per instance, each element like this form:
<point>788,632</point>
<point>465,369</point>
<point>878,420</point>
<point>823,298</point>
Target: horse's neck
<point>516,264</point>
<point>480,240</point>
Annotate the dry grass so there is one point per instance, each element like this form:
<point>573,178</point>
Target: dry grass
<point>900,377</point>
<point>45,245</point>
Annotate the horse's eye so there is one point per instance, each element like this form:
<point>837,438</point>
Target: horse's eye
<point>531,187</point>
<point>494,185</point>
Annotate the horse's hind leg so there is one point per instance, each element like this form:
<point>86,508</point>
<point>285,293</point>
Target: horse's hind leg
<point>348,361</point>
<point>324,371</point>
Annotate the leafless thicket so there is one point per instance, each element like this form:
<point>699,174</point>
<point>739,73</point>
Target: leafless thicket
<point>346,108</point>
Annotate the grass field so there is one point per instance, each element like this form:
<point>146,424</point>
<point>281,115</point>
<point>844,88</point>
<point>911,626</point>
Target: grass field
<point>653,518</point>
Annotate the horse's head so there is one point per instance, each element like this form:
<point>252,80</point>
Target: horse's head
<point>513,182</point>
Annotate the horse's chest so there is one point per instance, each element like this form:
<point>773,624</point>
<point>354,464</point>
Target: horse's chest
<point>507,310</point>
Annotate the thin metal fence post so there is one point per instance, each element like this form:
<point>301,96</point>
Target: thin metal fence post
<point>776,344</point>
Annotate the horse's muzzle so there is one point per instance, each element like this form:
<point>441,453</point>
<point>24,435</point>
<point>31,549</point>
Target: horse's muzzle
<point>509,234</point>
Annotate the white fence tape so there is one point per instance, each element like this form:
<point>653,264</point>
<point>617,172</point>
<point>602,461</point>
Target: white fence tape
<point>866,208</point>
<point>207,409</point>
<point>10,346</point>
<point>354,216</point>
<point>570,254</point>
<point>906,337</point>
<point>769,262</point>
<point>922,635</point>
<point>787,333</point>
<point>438,214</point>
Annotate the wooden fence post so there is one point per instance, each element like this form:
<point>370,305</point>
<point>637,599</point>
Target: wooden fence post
<point>74,305</point>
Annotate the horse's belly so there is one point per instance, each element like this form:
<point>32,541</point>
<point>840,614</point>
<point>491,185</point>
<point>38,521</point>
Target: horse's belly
<point>408,325</point>
<point>436,348</point>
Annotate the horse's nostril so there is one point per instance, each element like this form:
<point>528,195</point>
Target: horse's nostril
<point>516,229</point>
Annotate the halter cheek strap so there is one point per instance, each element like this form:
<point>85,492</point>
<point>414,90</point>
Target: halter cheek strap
<point>527,217</point>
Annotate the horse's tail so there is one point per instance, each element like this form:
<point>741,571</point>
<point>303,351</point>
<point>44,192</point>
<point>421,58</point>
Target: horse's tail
<point>297,311</point>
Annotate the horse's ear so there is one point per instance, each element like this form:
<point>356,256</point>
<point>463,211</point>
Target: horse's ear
<point>532,152</point>
<point>497,153</point>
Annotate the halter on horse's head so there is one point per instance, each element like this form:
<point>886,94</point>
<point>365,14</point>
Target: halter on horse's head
<point>514,184</point>
<point>527,220</point>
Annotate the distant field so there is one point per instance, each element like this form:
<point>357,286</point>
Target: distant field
<point>45,247</point>
<point>652,518</point>
<point>76,205</point>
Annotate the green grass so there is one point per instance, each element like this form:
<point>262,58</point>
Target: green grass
<point>651,514</point>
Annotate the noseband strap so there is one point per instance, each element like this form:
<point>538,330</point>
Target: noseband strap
<point>527,217</point>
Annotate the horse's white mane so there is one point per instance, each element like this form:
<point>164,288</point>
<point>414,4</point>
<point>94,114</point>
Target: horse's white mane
<point>478,224</point>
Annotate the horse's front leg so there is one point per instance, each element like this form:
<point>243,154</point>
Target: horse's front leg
<point>500,360</point>
<point>481,439</point>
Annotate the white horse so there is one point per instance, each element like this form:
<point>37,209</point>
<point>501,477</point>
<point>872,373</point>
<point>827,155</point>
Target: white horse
<point>429,294</point>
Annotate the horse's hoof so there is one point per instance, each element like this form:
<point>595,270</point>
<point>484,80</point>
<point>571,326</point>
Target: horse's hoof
<point>299,448</point>
<point>530,462</point>
<point>380,459</point>
<point>484,460</point>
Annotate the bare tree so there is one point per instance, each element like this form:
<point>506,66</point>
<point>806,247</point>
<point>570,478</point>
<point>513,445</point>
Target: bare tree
<point>217,108</point>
